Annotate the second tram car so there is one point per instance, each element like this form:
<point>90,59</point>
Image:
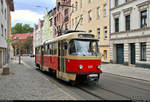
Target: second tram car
<point>74,56</point>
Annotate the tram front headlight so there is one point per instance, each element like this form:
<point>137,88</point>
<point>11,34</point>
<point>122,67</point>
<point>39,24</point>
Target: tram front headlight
<point>99,66</point>
<point>80,67</point>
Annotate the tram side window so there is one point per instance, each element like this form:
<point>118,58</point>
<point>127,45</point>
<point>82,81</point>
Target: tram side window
<point>55,48</point>
<point>37,50</point>
<point>48,49</point>
<point>51,49</point>
<point>72,50</point>
<point>45,49</point>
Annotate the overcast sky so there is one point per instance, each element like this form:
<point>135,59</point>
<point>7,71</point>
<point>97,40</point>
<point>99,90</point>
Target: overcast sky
<point>27,12</point>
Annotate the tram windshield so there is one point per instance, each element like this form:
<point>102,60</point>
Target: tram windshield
<point>84,48</point>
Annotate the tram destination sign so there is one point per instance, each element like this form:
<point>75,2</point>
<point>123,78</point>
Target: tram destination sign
<point>86,36</point>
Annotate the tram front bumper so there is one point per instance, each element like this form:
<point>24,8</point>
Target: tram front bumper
<point>93,77</point>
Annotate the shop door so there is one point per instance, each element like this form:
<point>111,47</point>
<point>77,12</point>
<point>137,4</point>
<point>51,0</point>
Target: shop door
<point>120,54</point>
<point>133,61</point>
<point>1,58</point>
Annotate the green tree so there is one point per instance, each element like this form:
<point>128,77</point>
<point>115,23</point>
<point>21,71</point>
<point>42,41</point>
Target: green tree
<point>20,28</point>
<point>26,28</point>
<point>28,44</point>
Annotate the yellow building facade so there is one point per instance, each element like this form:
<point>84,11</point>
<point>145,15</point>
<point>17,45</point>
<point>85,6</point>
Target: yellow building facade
<point>93,17</point>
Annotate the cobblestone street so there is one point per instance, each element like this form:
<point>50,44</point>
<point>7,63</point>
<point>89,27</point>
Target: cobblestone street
<point>26,84</point>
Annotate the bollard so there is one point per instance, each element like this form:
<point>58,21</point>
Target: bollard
<point>5,71</point>
<point>19,59</point>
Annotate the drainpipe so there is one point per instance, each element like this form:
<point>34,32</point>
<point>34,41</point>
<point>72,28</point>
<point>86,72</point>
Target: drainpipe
<point>110,26</point>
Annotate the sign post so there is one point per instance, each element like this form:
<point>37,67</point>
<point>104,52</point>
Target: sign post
<point>9,43</point>
<point>6,69</point>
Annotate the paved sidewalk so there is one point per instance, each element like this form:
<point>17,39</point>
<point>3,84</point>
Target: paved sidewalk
<point>127,71</point>
<point>27,84</point>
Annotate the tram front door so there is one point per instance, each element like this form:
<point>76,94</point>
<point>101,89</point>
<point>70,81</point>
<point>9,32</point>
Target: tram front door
<point>61,57</point>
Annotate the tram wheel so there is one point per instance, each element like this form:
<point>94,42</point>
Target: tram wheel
<point>73,83</point>
<point>37,66</point>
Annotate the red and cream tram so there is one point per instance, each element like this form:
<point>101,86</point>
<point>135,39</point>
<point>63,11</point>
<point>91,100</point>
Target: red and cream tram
<point>74,56</point>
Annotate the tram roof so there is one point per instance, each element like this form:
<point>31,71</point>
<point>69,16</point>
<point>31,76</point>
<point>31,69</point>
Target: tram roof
<point>67,36</point>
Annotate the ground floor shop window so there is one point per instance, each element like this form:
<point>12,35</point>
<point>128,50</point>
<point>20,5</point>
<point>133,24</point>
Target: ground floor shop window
<point>143,51</point>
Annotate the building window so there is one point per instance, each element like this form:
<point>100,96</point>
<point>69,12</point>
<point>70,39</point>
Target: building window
<point>143,18</point>
<point>105,10</point>
<point>90,31</point>
<point>66,15</point>
<point>5,13</point>
<point>51,22</point>
<point>89,1</point>
<point>66,26</point>
<point>98,33</point>
<point>72,8</point>
<point>81,3</point>
<point>2,6</point>
<point>90,15</point>
<point>105,32</point>
<point>116,24</point>
<point>72,23</point>
<point>2,29</point>
<point>81,19</point>
<point>98,13</point>
<point>116,3</point>
<point>5,34</point>
<point>76,6</point>
<point>127,18</point>
<point>76,20</point>
<point>127,0</point>
<point>143,51</point>
<point>55,21</point>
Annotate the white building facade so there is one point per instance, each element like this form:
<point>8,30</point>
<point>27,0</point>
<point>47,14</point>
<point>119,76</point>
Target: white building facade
<point>47,26</point>
<point>37,35</point>
<point>130,32</point>
<point>5,7</point>
<point>44,30</point>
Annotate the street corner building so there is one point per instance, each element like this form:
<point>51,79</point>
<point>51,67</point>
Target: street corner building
<point>93,17</point>
<point>5,26</point>
<point>130,32</point>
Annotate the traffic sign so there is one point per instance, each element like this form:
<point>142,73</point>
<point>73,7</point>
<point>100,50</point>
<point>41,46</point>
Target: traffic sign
<point>9,41</point>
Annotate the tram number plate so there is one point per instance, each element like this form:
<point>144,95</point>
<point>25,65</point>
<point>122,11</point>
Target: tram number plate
<point>90,66</point>
<point>93,75</point>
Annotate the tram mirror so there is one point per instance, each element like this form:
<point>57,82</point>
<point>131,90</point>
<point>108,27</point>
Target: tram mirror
<point>65,45</point>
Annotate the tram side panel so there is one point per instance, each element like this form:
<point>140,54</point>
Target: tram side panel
<point>51,62</point>
<point>38,59</point>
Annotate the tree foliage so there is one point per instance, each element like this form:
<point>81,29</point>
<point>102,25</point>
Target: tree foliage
<point>24,45</point>
<point>20,28</point>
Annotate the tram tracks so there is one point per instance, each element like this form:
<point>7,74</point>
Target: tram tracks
<point>86,90</point>
<point>103,89</point>
<point>63,85</point>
